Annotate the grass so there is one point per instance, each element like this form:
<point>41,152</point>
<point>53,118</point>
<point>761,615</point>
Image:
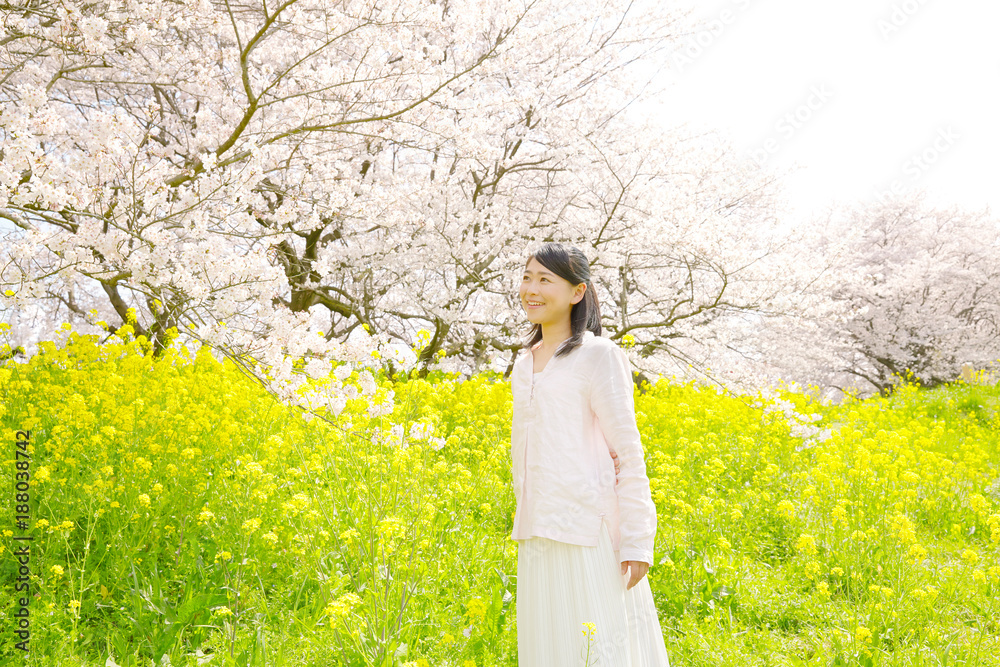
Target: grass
<point>178,513</point>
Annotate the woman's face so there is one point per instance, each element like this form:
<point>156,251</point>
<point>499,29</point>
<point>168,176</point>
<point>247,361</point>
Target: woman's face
<point>555,294</point>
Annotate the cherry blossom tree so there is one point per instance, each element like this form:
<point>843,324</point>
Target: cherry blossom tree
<point>892,287</point>
<point>312,181</point>
<point>244,172</point>
<point>687,243</point>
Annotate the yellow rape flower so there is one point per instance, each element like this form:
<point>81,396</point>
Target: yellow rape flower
<point>786,509</point>
<point>342,606</point>
<point>806,544</point>
<point>839,515</point>
<point>903,528</point>
<point>476,609</point>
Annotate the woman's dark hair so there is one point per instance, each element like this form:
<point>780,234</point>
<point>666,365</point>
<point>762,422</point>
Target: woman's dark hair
<point>570,263</point>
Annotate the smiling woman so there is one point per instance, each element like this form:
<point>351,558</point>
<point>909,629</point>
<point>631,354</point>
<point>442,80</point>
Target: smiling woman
<point>551,300</point>
<point>585,533</point>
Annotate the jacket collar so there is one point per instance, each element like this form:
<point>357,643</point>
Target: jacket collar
<point>526,356</point>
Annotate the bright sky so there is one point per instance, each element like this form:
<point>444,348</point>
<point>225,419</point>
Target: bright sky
<point>879,91</point>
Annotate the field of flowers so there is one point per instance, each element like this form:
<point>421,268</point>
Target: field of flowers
<point>181,516</point>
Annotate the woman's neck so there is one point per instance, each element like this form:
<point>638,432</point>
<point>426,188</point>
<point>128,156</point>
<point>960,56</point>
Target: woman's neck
<point>554,335</point>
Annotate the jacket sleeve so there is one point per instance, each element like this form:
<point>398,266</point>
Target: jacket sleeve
<point>611,400</point>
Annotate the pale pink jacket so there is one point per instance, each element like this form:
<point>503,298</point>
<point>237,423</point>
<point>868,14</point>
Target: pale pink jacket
<point>566,421</point>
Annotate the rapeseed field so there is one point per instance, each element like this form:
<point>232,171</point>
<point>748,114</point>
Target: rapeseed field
<point>180,515</point>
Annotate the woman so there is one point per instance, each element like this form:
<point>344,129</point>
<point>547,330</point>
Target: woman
<point>585,536</point>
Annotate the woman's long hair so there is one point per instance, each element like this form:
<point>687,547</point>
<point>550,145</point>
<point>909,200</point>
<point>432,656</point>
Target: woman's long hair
<point>570,263</point>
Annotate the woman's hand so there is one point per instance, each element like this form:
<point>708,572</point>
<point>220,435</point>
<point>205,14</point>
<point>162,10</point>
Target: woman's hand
<point>639,569</point>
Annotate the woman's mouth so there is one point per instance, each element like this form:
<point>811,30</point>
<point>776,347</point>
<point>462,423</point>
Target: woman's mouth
<point>534,304</point>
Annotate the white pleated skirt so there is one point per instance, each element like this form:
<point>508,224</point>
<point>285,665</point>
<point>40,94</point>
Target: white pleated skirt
<point>561,586</point>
